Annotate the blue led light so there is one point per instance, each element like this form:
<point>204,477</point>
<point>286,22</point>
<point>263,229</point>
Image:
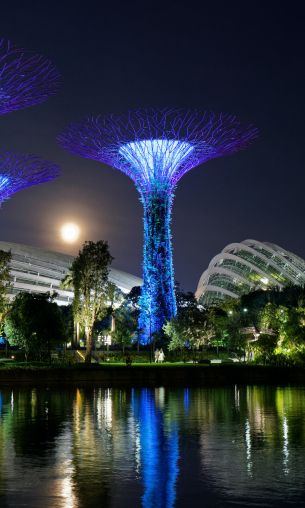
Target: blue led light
<point>157,159</point>
<point>19,171</point>
<point>155,148</point>
<point>4,182</point>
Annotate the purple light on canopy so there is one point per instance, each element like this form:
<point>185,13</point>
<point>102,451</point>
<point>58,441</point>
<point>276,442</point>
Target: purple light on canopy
<point>19,171</point>
<point>26,79</point>
<point>158,160</point>
<point>155,148</point>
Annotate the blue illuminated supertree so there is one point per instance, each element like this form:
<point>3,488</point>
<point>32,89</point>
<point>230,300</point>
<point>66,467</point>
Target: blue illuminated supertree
<point>19,171</point>
<point>26,79</point>
<point>155,148</point>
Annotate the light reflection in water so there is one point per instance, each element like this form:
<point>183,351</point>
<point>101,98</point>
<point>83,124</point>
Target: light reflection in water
<point>186,400</point>
<point>64,487</point>
<point>158,449</point>
<point>107,447</point>
<point>248,447</point>
<point>236,393</point>
<point>285,446</point>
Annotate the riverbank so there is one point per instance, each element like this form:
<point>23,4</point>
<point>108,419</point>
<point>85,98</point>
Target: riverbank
<point>151,375</point>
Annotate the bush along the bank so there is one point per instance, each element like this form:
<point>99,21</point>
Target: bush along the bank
<point>266,327</point>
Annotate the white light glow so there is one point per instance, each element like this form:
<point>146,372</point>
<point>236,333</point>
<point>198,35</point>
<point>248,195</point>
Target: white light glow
<point>4,182</point>
<point>264,280</point>
<point>70,232</point>
<point>157,158</point>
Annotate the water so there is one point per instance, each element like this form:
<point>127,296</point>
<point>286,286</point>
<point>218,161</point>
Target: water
<point>152,448</point>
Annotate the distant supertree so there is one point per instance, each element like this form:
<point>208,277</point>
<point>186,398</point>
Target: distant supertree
<point>155,148</point>
<point>19,171</point>
<point>26,79</point>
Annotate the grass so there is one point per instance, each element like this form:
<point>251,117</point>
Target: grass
<point>38,366</point>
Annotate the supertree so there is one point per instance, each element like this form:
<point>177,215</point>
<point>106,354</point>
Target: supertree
<point>26,79</point>
<point>19,171</point>
<point>155,148</point>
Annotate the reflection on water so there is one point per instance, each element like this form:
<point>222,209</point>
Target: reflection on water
<point>158,447</point>
<point>152,448</point>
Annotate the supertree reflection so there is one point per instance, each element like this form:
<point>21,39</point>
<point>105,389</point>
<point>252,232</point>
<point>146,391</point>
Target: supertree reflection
<point>159,451</point>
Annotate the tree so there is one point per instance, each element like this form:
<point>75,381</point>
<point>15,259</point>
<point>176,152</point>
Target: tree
<point>89,272</point>
<point>124,327</point>
<point>264,346</point>
<point>67,283</point>
<point>35,323</point>
<point>132,303</point>
<point>115,297</point>
<point>189,328</point>
<point>5,258</point>
<point>219,323</point>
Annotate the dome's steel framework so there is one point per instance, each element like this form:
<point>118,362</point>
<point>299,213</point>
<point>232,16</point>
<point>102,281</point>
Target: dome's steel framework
<point>246,266</point>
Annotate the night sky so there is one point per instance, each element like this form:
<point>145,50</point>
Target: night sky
<point>239,57</point>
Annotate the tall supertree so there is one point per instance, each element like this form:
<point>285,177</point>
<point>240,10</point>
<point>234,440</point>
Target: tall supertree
<point>155,148</point>
<point>26,79</point>
<point>19,171</point>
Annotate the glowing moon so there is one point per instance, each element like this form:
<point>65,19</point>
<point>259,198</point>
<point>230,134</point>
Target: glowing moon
<point>70,232</point>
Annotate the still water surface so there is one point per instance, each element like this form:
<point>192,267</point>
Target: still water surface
<point>152,448</point>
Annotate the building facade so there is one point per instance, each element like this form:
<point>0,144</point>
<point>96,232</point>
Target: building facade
<point>35,270</point>
<point>246,266</point>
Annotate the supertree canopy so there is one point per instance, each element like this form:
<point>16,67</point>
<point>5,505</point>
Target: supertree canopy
<point>26,79</point>
<point>155,148</point>
<point>19,171</point>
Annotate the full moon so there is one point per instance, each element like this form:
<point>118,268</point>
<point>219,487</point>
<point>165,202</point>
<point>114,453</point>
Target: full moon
<point>70,232</point>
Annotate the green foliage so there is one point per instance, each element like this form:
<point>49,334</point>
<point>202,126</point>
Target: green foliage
<point>35,323</point>
<point>189,328</point>
<point>124,327</point>
<point>264,347</point>
<point>89,278</point>
<point>270,324</point>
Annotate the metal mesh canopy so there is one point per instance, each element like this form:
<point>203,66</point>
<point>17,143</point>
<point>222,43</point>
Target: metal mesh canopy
<point>246,266</point>
<point>157,145</point>
<point>26,79</point>
<point>155,148</point>
<point>18,171</point>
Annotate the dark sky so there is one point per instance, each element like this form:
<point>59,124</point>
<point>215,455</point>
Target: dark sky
<point>241,57</point>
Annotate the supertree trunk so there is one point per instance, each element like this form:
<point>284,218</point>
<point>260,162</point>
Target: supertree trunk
<point>158,302</point>
<point>156,148</point>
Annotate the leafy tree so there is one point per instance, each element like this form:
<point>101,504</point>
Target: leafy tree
<point>189,328</point>
<point>67,316</point>
<point>264,347</point>
<point>89,272</point>
<point>132,303</point>
<point>115,297</point>
<point>35,323</point>
<point>173,329</point>
<point>124,327</point>
<point>219,325</point>
<point>67,283</point>
<point>5,258</point>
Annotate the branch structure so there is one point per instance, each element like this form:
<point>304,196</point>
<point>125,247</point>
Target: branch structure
<point>19,171</point>
<point>26,79</point>
<point>155,148</point>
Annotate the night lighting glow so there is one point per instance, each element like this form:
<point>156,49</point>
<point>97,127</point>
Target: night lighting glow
<point>26,79</point>
<point>158,159</point>
<point>4,182</point>
<point>155,148</point>
<point>19,171</point>
<point>70,232</point>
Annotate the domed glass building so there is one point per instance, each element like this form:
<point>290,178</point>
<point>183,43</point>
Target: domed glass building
<point>246,266</point>
<point>36,270</point>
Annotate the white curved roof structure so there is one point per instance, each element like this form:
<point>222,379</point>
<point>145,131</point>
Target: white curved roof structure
<point>39,271</point>
<point>246,266</point>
